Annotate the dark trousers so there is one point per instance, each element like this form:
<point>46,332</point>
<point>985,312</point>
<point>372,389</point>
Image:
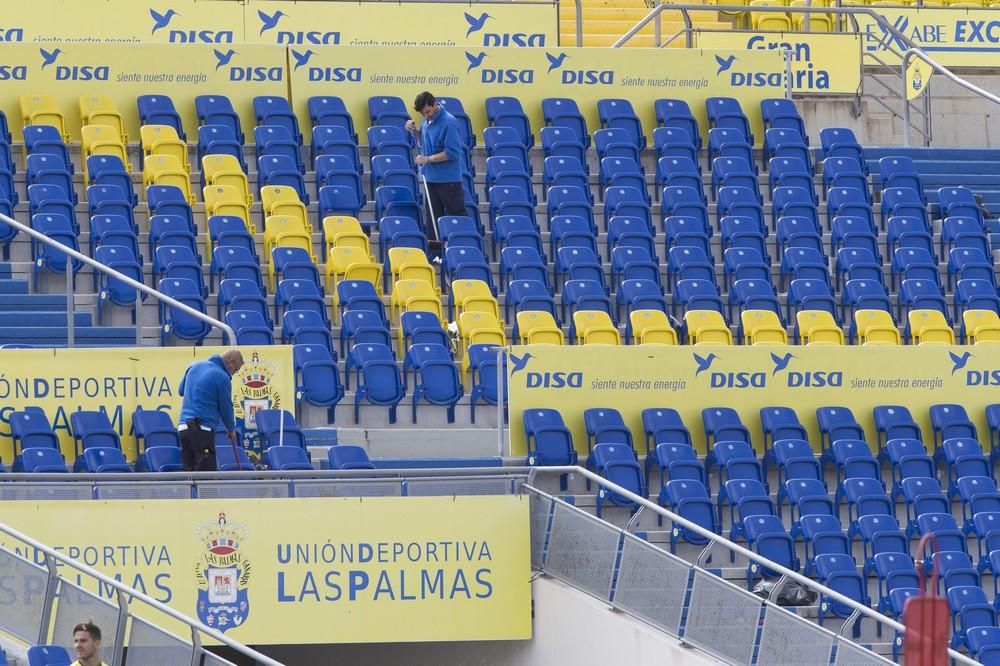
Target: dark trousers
<point>445,199</point>
<point>197,448</point>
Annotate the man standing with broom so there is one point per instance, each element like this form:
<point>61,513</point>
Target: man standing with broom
<point>440,163</point>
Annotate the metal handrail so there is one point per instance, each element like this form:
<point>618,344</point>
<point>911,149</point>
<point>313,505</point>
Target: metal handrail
<point>121,588</point>
<point>736,548</point>
<point>914,52</point>
<point>135,284</point>
<point>684,9</point>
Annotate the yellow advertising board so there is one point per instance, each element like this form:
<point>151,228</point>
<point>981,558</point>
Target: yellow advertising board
<point>586,75</point>
<point>408,24</point>
<point>70,70</point>
<point>689,379</point>
<point>822,63</point>
<point>285,22</point>
<point>953,37</point>
<point>119,381</point>
<point>297,571</point>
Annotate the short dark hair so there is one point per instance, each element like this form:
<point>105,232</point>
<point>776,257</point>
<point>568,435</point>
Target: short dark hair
<point>90,628</point>
<point>423,100</point>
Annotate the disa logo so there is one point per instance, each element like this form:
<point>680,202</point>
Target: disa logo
<point>247,74</point>
<point>72,72</point>
<point>162,20</point>
<point>544,379</point>
<point>974,377</point>
<point>498,75</point>
<point>794,379</point>
<point>477,23</point>
<point>582,77</point>
<point>270,22</point>
<point>338,74</point>
<point>748,79</point>
<point>11,34</point>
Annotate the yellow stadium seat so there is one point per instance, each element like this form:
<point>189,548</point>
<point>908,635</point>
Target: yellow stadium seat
<point>769,20</point>
<point>227,200</point>
<point>651,327</point>
<point>474,296</point>
<point>345,231</point>
<point>762,327</point>
<point>100,110</point>
<point>477,328</point>
<point>410,263</point>
<point>594,327</point>
<point>929,327</point>
<point>817,22</point>
<point>351,263</point>
<point>43,110</point>
<point>163,140</point>
<point>981,326</point>
<point>283,231</point>
<point>707,327</point>
<point>972,4</point>
<point>167,170</point>
<point>818,327</point>
<point>284,200</point>
<point>101,140</point>
<point>414,295</point>
<point>226,170</point>
<point>538,327</point>
<point>876,327</point>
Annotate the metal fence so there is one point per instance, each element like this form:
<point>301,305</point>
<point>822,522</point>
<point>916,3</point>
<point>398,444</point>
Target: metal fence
<point>683,600</point>
<point>42,605</point>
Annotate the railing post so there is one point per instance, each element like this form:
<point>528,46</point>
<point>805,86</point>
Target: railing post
<point>138,318</point>
<point>788,72</point>
<point>197,651</point>
<point>906,103</point>
<point>70,304</point>
<point>579,23</point>
<point>501,380</point>
<point>51,585</point>
<point>119,647</point>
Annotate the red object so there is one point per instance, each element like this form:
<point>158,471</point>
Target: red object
<point>927,621</point>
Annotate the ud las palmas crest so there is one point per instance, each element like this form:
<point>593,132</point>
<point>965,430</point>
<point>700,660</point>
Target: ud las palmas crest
<point>253,391</point>
<point>222,573</point>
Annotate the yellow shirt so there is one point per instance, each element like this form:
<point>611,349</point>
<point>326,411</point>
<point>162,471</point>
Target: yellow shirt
<point>78,663</point>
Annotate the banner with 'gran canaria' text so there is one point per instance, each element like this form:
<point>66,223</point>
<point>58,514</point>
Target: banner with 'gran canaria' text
<point>67,71</point>
<point>295,571</point>
<point>119,381</point>
<point>822,63</point>
<point>283,22</point>
<point>689,379</point>
<point>585,75</point>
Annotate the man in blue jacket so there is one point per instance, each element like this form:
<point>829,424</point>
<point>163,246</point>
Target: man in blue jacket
<point>441,159</point>
<point>207,389</point>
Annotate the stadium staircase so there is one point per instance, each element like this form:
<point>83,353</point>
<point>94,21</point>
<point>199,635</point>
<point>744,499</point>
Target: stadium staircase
<point>605,21</point>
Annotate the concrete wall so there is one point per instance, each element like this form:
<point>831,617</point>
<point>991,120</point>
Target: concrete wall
<point>959,117</point>
<point>569,628</point>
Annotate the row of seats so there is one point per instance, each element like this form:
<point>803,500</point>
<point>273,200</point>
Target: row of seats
<point>98,445</point>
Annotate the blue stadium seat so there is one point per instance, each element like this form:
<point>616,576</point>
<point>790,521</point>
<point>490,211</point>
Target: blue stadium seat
<point>627,201</point>
<point>487,377</point>
<point>454,106</point>
<point>109,200</point>
<point>788,201</point>
<point>959,201</point>
<point>729,142</point>
<point>110,170</point>
<point>46,257</point>
<point>858,264</point>
<point>114,230</point>
<point>675,462</point>
<point>839,573</point>
<point>169,200</point>
<point>548,440</point>
<point>502,170</point>
<point>218,110</point>
<point>346,456</point>
<point>790,172</point>
<point>804,294</point>
<point>792,231</point>
<point>970,264</point>
<point>767,536</point>
<point>567,200</point>
<point>54,200</point>
<point>565,170</point>
<point>179,323</point>
<point>618,114</point>
<point>622,171</point>
<point>676,142</point>
<point>556,142</point>
<point>362,327</point>
<point>726,112</point>
<point>514,200</point>
<point>618,464</point>
<point>584,295</point>
<point>680,201</point>
<point>162,459</point>
<point>564,112</point>
<point>275,140</point>
<point>168,230</point>
<point>903,202</point>
<point>317,378</point>
<point>93,429</point>
<point>436,378</point>
<point>845,172</point>
<point>860,294</point>
<point>572,263</point>
<point>287,458</point>
<point>678,170</point>
<point>101,460</point>
<point>30,428</point>
<point>236,294</point>
<point>689,263</point>
<point>836,423</point>
<point>616,142</point>
<point>277,427</point>
<point>899,171</point>
<point>281,170</point>
<point>46,140</point>
<point>515,231</point>
<point>733,171</point>
<point>696,295</point>
<point>274,110</point>
<point>467,263</point>
<point>523,264</point>
<point>959,231</point>
<point>48,655</point>
<point>42,169</point>
<point>507,112</point>
<point>177,261</point>
<point>915,294</point>
<point>112,290</point>
<point>506,142</point>
<point>159,110</point>
<point>739,201</point>
<point>744,232</point>
<point>799,263</point>
<point>567,231</point>
<point>235,262</point>
<point>848,201</point>
<point>330,110</point>
<point>217,140</point>
<point>676,113</point>
<point>624,231</point>
<point>633,263</point>
<point>690,500</point>
<point>841,142</point>
<point>336,141</point>
<point>359,295</point>
<point>685,231</point>
<point>390,140</point>
<point>781,142</point>
<point>250,328</point>
<point>972,294</point>
<point>378,379</point>
<point>305,327</point>
<point>300,296</point>
<point>782,113</point>
<point>847,231</point>
<point>294,263</point>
